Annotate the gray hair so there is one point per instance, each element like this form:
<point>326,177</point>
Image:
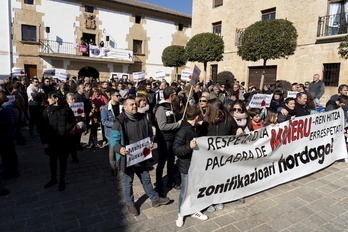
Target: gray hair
<point>69,95</point>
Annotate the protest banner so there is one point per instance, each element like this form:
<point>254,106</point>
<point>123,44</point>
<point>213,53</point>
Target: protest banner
<point>159,75</point>
<point>110,53</point>
<point>138,151</point>
<point>292,94</point>
<point>260,100</point>
<point>186,75</point>
<point>49,72</point>
<point>227,168</point>
<point>18,72</point>
<point>195,76</point>
<point>77,108</point>
<point>61,76</point>
<point>138,76</point>
<point>123,76</point>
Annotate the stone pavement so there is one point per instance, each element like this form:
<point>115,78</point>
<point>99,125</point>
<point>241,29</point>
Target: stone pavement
<point>93,201</point>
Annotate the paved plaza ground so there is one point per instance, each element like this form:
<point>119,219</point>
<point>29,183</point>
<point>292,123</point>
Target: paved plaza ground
<point>93,201</point>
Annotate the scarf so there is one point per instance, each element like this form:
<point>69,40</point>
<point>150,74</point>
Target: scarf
<point>240,118</point>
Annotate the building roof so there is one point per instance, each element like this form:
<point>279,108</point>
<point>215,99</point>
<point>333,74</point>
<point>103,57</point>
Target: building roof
<point>151,7</point>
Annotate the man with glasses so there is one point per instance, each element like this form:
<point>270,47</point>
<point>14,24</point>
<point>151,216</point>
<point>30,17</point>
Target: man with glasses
<point>47,86</point>
<point>166,128</point>
<point>109,114</point>
<point>35,101</point>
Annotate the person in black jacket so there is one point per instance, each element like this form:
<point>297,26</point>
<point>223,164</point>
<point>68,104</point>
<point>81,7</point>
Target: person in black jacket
<point>289,106</point>
<point>184,144</point>
<point>57,121</point>
<point>340,102</point>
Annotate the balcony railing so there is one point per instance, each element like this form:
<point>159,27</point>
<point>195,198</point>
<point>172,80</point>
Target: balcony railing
<point>59,47</point>
<point>332,25</point>
<point>68,48</point>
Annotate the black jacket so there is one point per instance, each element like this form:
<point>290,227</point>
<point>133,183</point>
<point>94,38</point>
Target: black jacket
<point>331,105</point>
<point>57,122</point>
<point>301,110</point>
<point>181,147</point>
<point>283,118</point>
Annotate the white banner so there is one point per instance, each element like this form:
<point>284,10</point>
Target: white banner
<point>110,53</point>
<point>61,76</point>
<point>77,108</point>
<point>195,76</point>
<point>123,76</point>
<point>138,152</point>
<point>260,100</point>
<point>160,75</point>
<point>18,72</point>
<point>186,75</point>
<point>49,72</point>
<point>227,168</point>
<point>292,94</point>
<point>138,76</point>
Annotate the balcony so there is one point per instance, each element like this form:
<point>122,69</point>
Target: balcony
<point>332,26</point>
<point>60,49</point>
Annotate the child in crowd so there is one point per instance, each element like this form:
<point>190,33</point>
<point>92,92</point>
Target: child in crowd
<point>183,147</point>
<point>271,118</point>
<point>255,117</point>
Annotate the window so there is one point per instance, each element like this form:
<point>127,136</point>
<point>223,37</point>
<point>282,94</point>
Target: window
<point>218,3</point>
<point>31,2</point>
<point>137,46</point>
<point>181,27</point>
<point>138,19</point>
<point>28,33</point>
<point>89,9</point>
<point>331,74</point>
<point>217,28</point>
<point>269,14</point>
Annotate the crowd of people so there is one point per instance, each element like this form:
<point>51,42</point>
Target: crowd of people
<point>172,115</point>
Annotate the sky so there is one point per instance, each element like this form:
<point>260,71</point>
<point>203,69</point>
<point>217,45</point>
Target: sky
<point>184,6</point>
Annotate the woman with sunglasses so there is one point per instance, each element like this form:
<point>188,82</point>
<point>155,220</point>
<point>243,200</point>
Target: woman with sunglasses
<point>57,121</point>
<point>241,118</point>
<point>203,108</point>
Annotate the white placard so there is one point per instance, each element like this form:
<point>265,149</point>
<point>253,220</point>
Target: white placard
<point>77,108</point>
<point>160,75</point>
<point>49,72</point>
<point>292,94</point>
<point>18,72</point>
<point>260,100</point>
<point>186,75</point>
<point>61,76</point>
<point>138,76</point>
<point>227,168</point>
<point>138,152</point>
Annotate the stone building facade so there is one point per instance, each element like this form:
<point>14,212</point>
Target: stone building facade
<point>46,34</point>
<point>321,25</point>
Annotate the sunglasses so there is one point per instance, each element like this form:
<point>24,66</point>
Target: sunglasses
<point>117,95</point>
<point>202,100</point>
<point>237,109</point>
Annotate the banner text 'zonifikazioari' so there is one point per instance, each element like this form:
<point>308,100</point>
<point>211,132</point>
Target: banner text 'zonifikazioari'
<point>227,168</point>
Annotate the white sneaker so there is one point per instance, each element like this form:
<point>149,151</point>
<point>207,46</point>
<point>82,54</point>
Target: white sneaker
<point>180,221</point>
<point>200,216</point>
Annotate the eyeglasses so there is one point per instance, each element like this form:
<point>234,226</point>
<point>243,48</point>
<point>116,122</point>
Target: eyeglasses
<point>237,109</point>
<point>202,100</point>
<point>306,84</point>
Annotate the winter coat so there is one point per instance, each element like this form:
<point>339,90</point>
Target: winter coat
<point>57,122</point>
<point>8,118</point>
<point>167,125</point>
<point>181,146</point>
<point>331,105</point>
<point>108,118</point>
<point>126,131</point>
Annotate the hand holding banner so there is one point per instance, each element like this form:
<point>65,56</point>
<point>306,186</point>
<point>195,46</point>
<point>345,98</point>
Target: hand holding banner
<point>139,151</point>
<point>260,100</point>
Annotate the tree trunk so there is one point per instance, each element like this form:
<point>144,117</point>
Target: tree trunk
<point>263,74</point>
<point>205,74</point>
<point>176,74</point>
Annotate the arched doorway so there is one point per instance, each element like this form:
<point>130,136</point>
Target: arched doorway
<point>88,71</point>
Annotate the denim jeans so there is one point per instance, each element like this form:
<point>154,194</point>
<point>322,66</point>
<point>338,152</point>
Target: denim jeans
<point>145,179</point>
<point>183,188</point>
<point>165,153</point>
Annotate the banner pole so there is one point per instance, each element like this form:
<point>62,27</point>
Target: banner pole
<point>188,98</point>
